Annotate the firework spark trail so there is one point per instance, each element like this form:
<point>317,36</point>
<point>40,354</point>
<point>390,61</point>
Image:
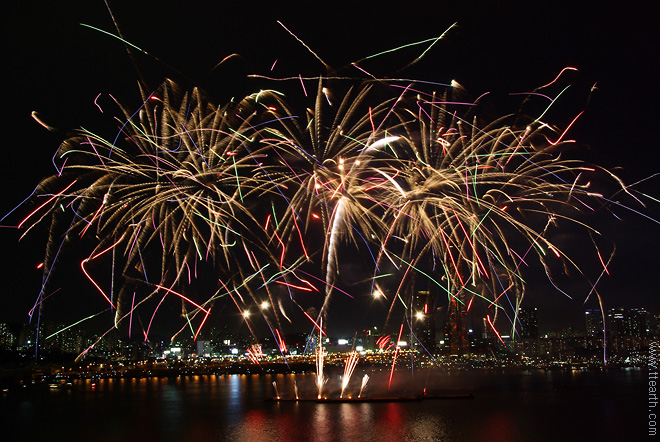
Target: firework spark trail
<point>320,376</point>
<point>338,217</point>
<point>396,353</point>
<point>382,341</point>
<point>47,271</point>
<point>281,345</point>
<point>20,204</point>
<point>365,379</point>
<point>53,197</point>
<point>490,323</point>
<point>130,319</point>
<point>39,301</point>
<point>277,394</point>
<point>80,321</point>
<point>351,362</point>
<point>90,258</point>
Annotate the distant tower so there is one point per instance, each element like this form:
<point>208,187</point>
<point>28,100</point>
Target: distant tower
<point>528,323</point>
<point>7,338</point>
<point>616,322</point>
<point>626,327</point>
<point>629,321</point>
<point>424,320</point>
<point>593,320</point>
<point>594,323</point>
<point>458,337</point>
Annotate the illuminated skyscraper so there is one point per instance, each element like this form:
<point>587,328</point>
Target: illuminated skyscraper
<point>528,323</point>
<point>7,338</point>
<point>458,336</point>
<point>625,328</point>
<point>627,322</point>
<point>594,323</point>
<point>424,320</point>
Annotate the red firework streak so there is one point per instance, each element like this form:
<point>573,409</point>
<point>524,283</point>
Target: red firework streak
<point>396,353</point>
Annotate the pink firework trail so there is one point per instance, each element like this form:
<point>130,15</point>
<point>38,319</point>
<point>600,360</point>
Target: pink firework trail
<point>396,353</point>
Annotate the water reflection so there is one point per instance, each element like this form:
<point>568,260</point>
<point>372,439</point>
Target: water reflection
<point>172,407</point>
<point>515,407</point>
<point>235,393</point>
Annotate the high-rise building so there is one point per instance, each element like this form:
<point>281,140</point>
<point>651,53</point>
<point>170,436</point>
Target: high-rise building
<point>627,322</point>
<point>424,320</point>
<point>594,323</point>
<point>636,323</point>
<point>617,322</point>
<point>528,323</point>
<point>458,336</point>
<point>625,328</point>
<point>8,339</point>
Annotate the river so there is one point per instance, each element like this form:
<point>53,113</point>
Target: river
<point>508,406</point>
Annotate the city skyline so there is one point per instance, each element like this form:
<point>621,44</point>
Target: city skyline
<point>430,332</point>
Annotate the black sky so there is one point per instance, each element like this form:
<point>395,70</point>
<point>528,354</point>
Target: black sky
<point>56,66</point>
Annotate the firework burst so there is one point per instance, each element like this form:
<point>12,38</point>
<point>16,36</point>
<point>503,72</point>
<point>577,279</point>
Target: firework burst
<point>253,191</point>
<point>173,192</point>
<point>329,158</point>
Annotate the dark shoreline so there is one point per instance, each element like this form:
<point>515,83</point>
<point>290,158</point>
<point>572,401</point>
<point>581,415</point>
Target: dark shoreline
<point>58,375</point>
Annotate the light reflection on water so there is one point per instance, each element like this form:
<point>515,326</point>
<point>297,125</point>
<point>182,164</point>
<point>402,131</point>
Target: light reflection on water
<point>520,406</point>
<point>386,422</point>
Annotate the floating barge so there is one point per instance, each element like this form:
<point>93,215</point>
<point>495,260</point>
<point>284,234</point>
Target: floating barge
<point>354,400</point>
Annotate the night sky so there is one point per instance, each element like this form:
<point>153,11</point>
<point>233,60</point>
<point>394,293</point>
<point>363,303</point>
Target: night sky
<point>56,66</point>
